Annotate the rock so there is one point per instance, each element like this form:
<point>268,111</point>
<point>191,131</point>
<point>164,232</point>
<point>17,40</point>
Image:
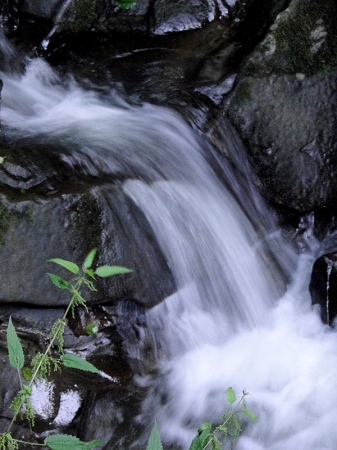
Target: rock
<point>76,402</point>
<point>44,9</point>
<point>323,287</point>
<point>45,216</point>
<point>284,106</point>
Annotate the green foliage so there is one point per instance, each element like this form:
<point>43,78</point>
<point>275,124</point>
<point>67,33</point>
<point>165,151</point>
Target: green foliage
<point>27,373</point>
<point>44,363</point>
<point>91,329</point>
<point>78,363</point>
<point>154,442</point>
<point>57,333</point>
<point>229,428</point>
<point>110,271</point>
<point>15,352</point>
<point>89,259</point>
<point>76,283</point>
<point>58,281</point>
<point>21,404</point>
<point>231,397</point>
<point>77,300</point>
<point>72,267</point>
<point>66,442</point>
<point>7,442</point>
<point>125,4</point>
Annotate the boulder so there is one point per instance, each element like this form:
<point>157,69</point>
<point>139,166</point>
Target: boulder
<point>47,213</point>
<point>78,403</point>
<point>284,106</point>
<point>323,287</point>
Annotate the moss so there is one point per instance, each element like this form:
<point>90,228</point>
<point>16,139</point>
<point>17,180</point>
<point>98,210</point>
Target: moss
<point>304,40</point>
<point>79,16</point>
<point>243,92</point>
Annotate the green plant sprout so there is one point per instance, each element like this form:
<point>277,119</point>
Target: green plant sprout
<point>229,428</point>
<point>125,4</point>
<point>212,439</point>
<point>43,363</point>
<point>154,442</point>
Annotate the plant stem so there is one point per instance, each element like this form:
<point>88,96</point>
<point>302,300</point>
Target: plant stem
<point>29,443</point>
<point>76,288</point>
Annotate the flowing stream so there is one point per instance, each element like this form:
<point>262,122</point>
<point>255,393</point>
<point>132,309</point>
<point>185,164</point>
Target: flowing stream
<point>228,324</point>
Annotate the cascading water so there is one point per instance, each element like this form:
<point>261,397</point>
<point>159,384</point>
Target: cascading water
<point>225,325</point>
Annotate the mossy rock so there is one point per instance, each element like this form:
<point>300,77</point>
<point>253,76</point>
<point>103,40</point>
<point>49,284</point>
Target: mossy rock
<point>302,40</point>
<point>79,16</point>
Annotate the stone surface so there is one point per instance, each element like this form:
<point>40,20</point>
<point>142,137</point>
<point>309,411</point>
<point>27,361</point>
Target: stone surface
<point>281,98</point>
<point>79,403</point>
<point>44,215</point>
<point>284,104</point>
<point>323,287</point>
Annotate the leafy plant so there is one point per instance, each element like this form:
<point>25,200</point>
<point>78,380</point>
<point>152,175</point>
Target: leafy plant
<point>44,363</point>
<point>154,442</point>
<point>229,428</point>
<point>209,437</point>
<point>125,4</point>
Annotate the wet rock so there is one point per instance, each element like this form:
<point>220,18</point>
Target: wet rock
<point>78,403</point>
<point>47,9</point>
<point>45,216</point>
<point>182,15</point>
<point>323,287</point>
<point>283,105</point>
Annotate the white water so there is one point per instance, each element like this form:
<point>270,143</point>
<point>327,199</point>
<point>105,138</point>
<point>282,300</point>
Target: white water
<point>226,325</point>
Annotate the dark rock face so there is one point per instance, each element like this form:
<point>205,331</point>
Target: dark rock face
<point>284,104</point>
<point>275,79</point>
<point>86,405</point>
<point>289,125</point>
<point>323,287</point>
<point>44,215</point>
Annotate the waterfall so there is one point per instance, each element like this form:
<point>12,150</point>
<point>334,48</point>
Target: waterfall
<point>227,324</point>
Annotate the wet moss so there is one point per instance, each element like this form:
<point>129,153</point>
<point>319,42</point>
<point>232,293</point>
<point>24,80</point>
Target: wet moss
<point>243,92</point>
<point>79,16</point>
<point>302,40</point>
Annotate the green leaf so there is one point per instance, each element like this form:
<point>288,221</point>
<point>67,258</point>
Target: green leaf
<point>249,414</point>
<point>27,373</point>
<point>72,267</point>
<point>204,437</point>
<point>109,271</point>
<point>58,281</point>
<point>15,352</point>
<point>78,363</point>
<point>154,442</point>
<point>93,444</point>
<point>90,272</point>
<point>196,444</point>
<point>231,397</point>
<point>27,390</point>
<point>204,426</point>
<point>89,259</point>
<point>91,329</point>
<point>2,159</point>
<point>66,442</point>
<point>125,4</point>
